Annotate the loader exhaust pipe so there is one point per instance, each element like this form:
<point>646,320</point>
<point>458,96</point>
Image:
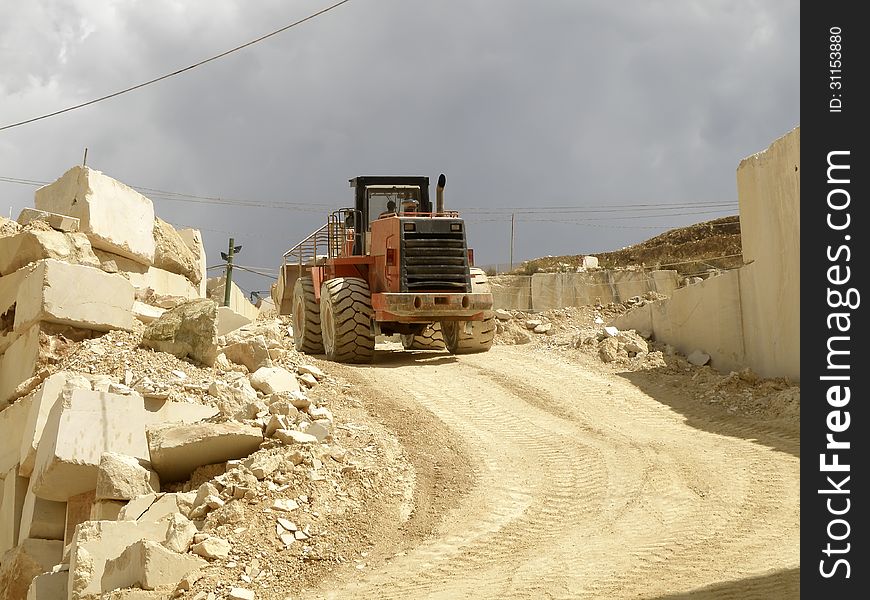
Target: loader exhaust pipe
<point>439,193</point>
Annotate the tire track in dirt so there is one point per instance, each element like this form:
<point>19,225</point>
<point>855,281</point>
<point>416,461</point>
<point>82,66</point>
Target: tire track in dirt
<point>585,487</point>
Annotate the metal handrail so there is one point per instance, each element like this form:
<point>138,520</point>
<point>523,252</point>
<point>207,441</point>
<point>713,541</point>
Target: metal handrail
<point>330,238</point>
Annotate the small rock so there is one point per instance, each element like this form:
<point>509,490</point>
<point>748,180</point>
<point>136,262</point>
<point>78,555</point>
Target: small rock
<point>317,430</point>
<point>320,412</point>
<point>543,328</point>
<point>272,380</point>
<point>287,525</point>
<point>307,379</point>
<point>611,331</point>
<point>311,370</point>
<point>698,358</point>
<point>609,350</point>
<point>502,315</point>
<point>214,502</point>
<point>212,548</point>
<point>241,594</point>
<point>291,436</point>
<point>532,323</point>
<point>287,538</point>
<point>285,505</point>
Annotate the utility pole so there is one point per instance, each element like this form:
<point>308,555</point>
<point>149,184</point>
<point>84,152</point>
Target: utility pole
<point>228,281</point>
<point>513,218</point>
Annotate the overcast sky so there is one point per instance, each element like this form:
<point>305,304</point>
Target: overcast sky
<point>524,105</point>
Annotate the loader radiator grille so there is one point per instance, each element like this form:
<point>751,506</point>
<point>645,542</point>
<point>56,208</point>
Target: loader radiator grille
<point>435,261</point>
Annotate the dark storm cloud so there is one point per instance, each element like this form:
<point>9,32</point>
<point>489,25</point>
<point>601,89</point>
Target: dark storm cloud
<point>520,103</point>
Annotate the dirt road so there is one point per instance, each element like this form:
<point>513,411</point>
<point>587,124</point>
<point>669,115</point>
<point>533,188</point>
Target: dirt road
<point>576,483</point>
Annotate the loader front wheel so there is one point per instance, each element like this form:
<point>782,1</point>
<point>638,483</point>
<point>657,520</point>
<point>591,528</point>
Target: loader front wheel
<point>346,320</point>
<point>468,337</point>
<point>306,318</point>
<point>429,339</point>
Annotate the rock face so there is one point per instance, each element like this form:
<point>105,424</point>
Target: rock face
<point>176,450</point>
<point>172,254</point>
<point>187,331</point>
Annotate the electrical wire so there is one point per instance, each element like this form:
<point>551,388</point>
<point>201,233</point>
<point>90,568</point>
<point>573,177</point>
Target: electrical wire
<point>177,72</point>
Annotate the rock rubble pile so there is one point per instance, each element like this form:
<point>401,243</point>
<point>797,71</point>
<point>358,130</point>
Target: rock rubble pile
<point>142,436</point>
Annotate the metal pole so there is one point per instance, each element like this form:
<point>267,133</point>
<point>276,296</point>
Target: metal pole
<point>229,279</point>
<point>513,217</point>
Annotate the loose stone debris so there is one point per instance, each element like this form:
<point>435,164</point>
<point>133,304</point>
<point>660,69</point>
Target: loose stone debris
<point>153,442</point>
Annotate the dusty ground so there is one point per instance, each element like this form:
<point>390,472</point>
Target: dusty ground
<point>535,470</point>
<point>580,481</point>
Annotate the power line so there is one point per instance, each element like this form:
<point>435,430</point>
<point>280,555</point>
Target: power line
<point>178,72</point>
<point>156,194</point>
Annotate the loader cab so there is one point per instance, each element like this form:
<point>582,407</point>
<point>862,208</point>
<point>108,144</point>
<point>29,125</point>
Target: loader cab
<point>382,196</point>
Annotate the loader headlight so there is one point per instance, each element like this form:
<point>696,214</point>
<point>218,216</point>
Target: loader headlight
<point>409,227</point>
<point>456,227</point>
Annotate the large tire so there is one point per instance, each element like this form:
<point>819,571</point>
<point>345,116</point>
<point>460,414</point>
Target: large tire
<point>460,341</point>
<point>346,320</point>
<point>307,335</point>
<point>429,339</point>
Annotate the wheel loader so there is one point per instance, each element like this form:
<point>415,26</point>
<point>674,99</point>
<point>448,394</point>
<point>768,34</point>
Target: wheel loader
<point>391,264</point>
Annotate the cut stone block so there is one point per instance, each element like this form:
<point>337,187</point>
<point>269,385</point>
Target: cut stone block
<point>106,510</point>
<point>20,565</point>
<point>43,400</point>
<point>17,365</point>
<point>96,542</point>
<point>115,217</point>
<point>187,331</point>
<point>229,320</point>
<point>148,565</point>
<point>238,300</point>
<point>29,246</point>
<point>122,477</point>
<point>172,254</point>
<point>176,450</point>
<point>166,289</point>
<point>41,518</point>
<point>13,490</point>
<point>54,220</point>
<point>193,239</point>
<point>77,432</point>
<point>58,292</point>
<point>146,313</point>
<point>78,510</point>
<point>150,507</point>
<point>12,422</point>
<point>167,411</point>
<point>49,586</point>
